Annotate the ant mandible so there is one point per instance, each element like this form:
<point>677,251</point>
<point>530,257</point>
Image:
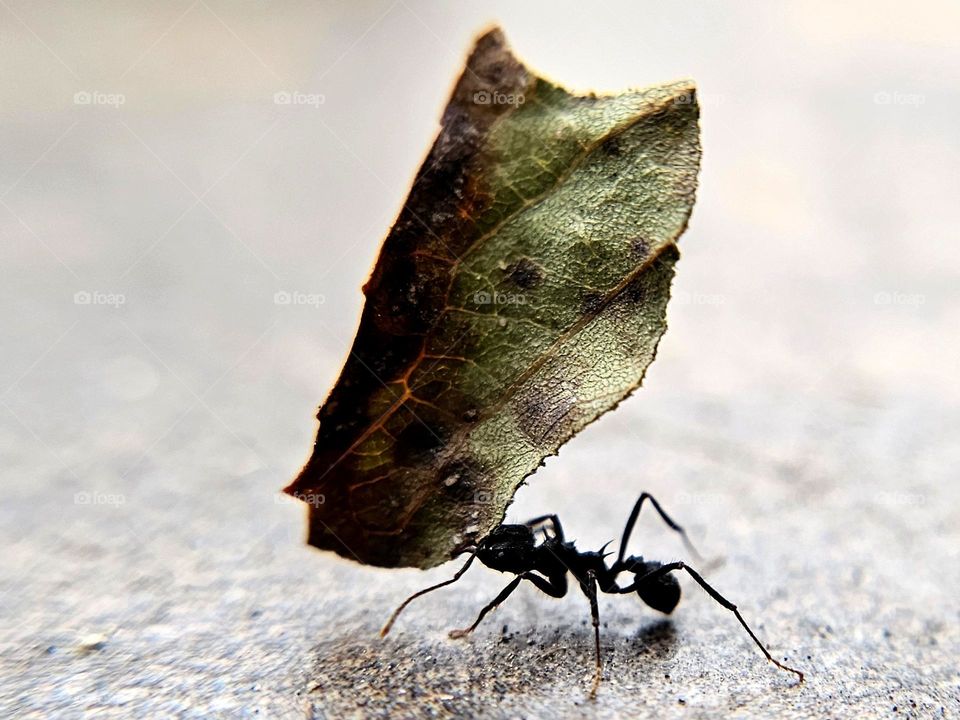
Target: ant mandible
<point>514,549</point>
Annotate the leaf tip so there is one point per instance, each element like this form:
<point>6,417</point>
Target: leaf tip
<point>490,35</point>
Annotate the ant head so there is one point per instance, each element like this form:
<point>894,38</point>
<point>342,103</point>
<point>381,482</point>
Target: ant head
<point>661,593</point>
<point>509,548</point>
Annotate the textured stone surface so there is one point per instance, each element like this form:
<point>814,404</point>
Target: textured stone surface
<point>801,418</point>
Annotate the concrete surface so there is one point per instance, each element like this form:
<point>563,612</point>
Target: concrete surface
<point>801,419</point>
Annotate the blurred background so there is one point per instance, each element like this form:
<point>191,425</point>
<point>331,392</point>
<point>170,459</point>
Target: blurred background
<point>192,194</point>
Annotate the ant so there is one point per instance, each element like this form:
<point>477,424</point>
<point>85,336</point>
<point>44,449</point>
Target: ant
<point>514,549</point>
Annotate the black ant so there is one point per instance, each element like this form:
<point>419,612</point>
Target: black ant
<point>514,549</point>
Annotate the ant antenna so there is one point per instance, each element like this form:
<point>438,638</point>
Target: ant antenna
<point>666,519</point>
<point>396,613</point>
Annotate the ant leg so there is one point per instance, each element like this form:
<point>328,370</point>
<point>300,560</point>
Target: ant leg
<point>396,613</point>
<point>666,518</point>
<point>504,594</point>
<point>591,592</point>
<point>672,567</point>
<point>555,587</point>
<point>542,520</point>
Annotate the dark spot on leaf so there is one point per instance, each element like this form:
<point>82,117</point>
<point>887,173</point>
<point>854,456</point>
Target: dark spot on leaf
<point>470,415</point>
<point>636,293</point>
<point>545,410</point>
<point>612,146</point>
<point>640,246</point>
<point>591,303</point>
<point>524,273</point>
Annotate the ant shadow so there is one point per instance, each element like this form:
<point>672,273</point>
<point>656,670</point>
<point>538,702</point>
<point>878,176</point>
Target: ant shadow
<point>657,639</point>
<point>412,671</point>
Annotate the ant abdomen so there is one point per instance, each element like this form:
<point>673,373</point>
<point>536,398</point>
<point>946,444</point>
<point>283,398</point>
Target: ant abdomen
<point>662,593</point>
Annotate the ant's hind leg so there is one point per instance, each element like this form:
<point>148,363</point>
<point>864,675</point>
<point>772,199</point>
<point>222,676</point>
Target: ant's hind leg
<point>631,521</point>
<point>673,567</point>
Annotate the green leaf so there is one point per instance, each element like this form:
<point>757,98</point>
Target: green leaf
<point>520,295</point>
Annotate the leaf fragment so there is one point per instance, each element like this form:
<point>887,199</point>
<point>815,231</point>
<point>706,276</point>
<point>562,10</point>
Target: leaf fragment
<point>520,295</point>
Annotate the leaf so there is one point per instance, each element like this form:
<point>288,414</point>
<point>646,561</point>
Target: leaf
<point>520,295</point>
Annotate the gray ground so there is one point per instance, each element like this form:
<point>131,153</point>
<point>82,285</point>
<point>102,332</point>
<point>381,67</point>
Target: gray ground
<point>801,419</point>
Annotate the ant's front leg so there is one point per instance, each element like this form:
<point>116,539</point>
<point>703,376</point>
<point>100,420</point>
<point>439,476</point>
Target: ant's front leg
<point>396,613</point>
<point>655,575</point>
<point>555,587</point>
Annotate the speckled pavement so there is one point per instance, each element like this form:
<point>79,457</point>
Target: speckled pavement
<point>157,391</point>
